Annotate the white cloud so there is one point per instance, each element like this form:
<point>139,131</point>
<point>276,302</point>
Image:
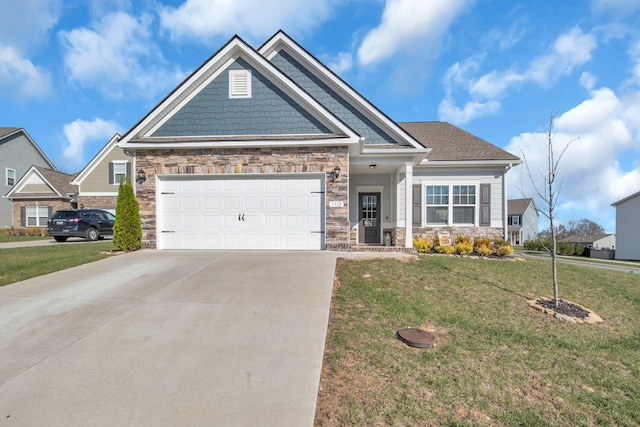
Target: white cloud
<point>117,56</point>
<point>26,23</point>
<point>22,77</point>
<point>248,18</point>
<point>448,111</point>
<point>570,51</point>
<point>615,6</point>
<point>81,133</point>
<point>590,172</point>
<point>406,23</point>
<point>341,63</point>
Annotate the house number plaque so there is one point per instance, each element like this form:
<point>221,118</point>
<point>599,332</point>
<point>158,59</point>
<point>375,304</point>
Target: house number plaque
<point>336,204</point>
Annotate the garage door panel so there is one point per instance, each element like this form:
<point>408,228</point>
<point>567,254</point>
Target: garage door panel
<point>266,212</point>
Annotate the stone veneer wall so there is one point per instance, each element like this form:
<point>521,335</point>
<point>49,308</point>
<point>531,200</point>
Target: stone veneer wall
<point>264,160</point>
<point>91,202</point>
<point>55,204</point>
<point>491,233</point>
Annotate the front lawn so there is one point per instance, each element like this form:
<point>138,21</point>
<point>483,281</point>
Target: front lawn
<point>497,362</point>
<point>6,238</point>
<point>18,264</point>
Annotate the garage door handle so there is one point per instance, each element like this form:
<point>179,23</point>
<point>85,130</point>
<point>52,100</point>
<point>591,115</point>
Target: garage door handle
<point>243,217</point>
<point>165,231</point>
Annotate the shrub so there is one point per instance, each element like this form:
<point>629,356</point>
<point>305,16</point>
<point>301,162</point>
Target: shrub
<point>579,250</point>
<point>463,245</point>
<point>423,244</point>
<point>483,246</point>
<point>127,230</point>
<point>502,247</point>
<point>564,248</point>
<point>504,250</point>
<point>9,231</point>
<point>445,249</point>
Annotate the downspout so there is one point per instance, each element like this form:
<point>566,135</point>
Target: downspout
<point>505,214</point>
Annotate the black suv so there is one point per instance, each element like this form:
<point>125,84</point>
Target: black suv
<point>92,224</point>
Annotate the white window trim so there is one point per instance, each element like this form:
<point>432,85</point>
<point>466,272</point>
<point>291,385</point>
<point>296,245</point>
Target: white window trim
<point>243,90</point>
<point>515,219</point>
<point>6,181</point>
<point>450,206</point>
<point>37,217</point>
<point>116,181</point>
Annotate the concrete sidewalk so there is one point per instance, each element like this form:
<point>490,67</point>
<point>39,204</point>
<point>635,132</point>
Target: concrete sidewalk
<point>166,338</point>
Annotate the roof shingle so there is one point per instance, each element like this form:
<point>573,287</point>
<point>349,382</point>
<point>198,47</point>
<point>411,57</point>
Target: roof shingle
<point>449,142</point>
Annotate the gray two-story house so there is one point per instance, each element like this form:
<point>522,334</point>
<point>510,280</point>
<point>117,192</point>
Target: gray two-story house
<point>18,153</point>
<point>522,220</point>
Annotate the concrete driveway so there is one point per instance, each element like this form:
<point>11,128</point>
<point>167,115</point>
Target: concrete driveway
<point>167,338</point>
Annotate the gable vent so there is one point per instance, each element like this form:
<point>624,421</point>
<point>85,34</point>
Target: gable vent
<point>239,84</point>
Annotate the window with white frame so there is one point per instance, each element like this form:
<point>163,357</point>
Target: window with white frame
<point>119,172</point>
<point>451,204</point>
<point>37,216</point>
<point>437,204</point>
<point>11,177</point>
<point>464,204</point>
<point>239,84</point>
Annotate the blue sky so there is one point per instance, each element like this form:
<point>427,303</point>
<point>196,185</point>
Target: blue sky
<point>73,73</point>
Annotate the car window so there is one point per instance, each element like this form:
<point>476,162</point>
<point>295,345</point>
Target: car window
<point>63,214</point>
<point>110,216</point>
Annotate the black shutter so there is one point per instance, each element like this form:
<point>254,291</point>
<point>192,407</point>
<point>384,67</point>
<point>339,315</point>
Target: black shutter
<point>128,171</point>
<point>485,204</point>
<point>110,173</point>
<point>417,205</point>
<point>23,216</point>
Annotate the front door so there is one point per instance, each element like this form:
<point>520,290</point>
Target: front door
<point>369,221</point>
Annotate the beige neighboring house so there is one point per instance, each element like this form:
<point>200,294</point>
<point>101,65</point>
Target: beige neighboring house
<point>98,182</point>
<point>39,193</point>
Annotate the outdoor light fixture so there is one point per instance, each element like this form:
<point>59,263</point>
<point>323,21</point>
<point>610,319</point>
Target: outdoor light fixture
<point>334,174</point>
<point>141,176</point>
<point>373,167</point>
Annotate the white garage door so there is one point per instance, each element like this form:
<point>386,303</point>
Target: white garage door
<point>270,212</point>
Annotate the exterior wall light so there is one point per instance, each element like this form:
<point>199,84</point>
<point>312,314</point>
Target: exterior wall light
<point>141,176</point>
<point>334,174</point>
<point>373,167</point>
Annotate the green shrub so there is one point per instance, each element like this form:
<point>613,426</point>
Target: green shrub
<point>423,244</point>
<point>484,250</point>
<point>579,250</point>
<point>127,230</point>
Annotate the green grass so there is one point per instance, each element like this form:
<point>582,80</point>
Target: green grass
<point>497,362</point>
<point>24,263</point>
<point>5,238</point>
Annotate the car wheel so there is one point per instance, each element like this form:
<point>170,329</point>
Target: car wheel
<point>60,239</point>
<point>92,234</point>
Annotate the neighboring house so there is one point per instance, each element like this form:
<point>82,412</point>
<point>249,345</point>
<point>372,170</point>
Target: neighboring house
<point>18,152</point>
<point>592,241</point>
<point>628,227</point>
<point>38,194</point>
<point>98,182</point>
<point>522,220</point>
<point>269,149</point>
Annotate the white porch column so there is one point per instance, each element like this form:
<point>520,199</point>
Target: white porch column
<point>408,205</point>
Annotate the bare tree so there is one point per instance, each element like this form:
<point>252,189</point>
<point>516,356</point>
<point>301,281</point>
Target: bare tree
<point>548,191</point>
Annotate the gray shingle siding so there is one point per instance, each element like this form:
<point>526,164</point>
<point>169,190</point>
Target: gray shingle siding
<point>331,100</point>
<point>269,111</point>
<point>17,153</point>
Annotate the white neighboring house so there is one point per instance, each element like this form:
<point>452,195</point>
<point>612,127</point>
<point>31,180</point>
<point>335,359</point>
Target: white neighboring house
<point>522,220</point>
<point>628,227</point>
<point>592,241</point>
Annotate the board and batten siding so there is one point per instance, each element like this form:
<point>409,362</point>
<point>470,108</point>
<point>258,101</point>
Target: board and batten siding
<point>467,177</point>
<point>19,154</point>
<point>98,180</point>
<point>628,229</point>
